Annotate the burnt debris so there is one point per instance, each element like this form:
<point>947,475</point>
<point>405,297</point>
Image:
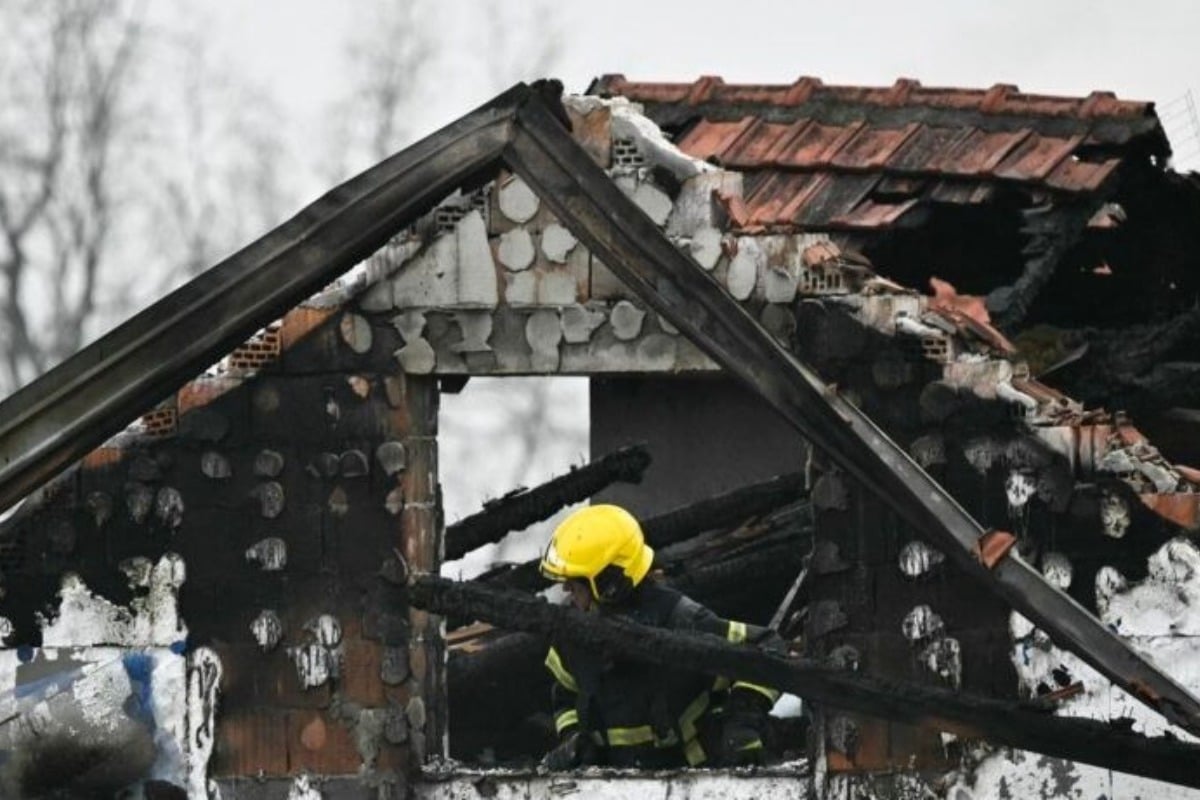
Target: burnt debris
<point>1087,741</point>
<point>521,508</point>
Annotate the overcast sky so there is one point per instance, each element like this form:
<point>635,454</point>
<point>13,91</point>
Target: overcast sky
<point>1140,50</point>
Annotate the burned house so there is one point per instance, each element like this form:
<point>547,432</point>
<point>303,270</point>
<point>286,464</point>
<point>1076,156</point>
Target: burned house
<point>969,509</point>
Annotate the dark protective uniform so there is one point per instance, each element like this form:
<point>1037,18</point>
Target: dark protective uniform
<point>629,713</point>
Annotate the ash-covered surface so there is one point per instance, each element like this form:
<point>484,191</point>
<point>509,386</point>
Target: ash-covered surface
<point>451,781</point>
<point>1159,615</point>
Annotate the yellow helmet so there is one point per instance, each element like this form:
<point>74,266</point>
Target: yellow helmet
<point>600,542</point>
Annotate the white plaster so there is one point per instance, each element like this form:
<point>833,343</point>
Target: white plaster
<point>917,558</point>
<point>168,704</point>
<point>1005,391</point>
<point>367,280</point>
<point>6,630</point>
<point>628,122</point>
<point>517,201</point>
<point>694,209</point>
<point>653,201</point>
<point>783,268</point>
<point>267,629</point>
<point>928,450</point>
<point>980,453</point>
<point>302,789</point>
<point>214,465</point>
<point>521,289</point>
<point>92,699</point>
<point>1158,617</point>
<point>1058,570</point>
<point>151,619</point>
<point>943,657</point>
<point>430,279</point>
<point>204,680</point>
<point>1165,480</point>
<point>776,783</point>
<point>476,327</point>
<point>378,297</point>
<point>355,332</point>
<point>922,623</point>
<point>626,320</point>
<point>557,288</point>
<point>101,695</point>
<point>168,507</point>
<point>270,554</point>
<point>326,629</point>
<point>744,268</point>
<point>516,249</point>
<point>557,243</point>
<point>579,321</point>
<point>543,332</point>
<point>314,663</point>
<point>979,375</point>
<point>417,355</point>
<point>1018,488</point>
<point>657,352</point>
<point>914,327</point>
<point>788,706</point>
<point>705,247</point>
<point>391,456</point>
<point>666,325</point>
<point>477,284</point>
<point>1114,515</point>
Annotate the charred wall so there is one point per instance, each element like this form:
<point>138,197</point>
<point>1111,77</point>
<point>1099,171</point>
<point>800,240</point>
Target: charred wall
<point>288,494</point>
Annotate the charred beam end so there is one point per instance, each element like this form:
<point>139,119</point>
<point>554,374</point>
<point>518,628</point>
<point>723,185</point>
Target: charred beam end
<point>723,510</point>
<point>523,508</point>
<point>1087,741</point>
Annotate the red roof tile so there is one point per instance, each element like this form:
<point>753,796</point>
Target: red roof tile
<point>999,99</point>
<point>830,157</point>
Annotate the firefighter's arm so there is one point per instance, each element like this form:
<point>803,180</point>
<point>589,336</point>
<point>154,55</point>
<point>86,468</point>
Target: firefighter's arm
<point>572,746</point>
<point>563,695</point>
<point>690,615</point>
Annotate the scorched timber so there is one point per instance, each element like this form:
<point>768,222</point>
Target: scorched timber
<point>1085,741</point>
<point>680,524</point>
<point>523,508</point>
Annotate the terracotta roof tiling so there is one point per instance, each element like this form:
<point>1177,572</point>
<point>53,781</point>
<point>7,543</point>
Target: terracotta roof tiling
<point>942,145</point>
<point>1000,99</point>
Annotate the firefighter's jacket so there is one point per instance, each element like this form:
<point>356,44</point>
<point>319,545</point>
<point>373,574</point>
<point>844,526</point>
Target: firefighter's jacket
<point>639,713</point>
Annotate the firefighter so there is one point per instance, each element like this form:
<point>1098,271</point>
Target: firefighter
<point>627,713</point>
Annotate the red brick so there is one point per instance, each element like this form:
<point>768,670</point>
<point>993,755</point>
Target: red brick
<point>250,743</point>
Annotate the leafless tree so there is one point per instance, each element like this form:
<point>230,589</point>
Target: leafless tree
<point>65,113</point>
<point>221,167</point>
<point>387,62</point>
<point>404,72</point>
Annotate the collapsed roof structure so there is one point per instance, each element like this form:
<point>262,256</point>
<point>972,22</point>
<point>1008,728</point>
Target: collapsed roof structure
<point>728,229</point>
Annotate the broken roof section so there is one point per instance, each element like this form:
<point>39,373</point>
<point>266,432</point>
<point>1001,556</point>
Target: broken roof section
<point>820,157</point>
